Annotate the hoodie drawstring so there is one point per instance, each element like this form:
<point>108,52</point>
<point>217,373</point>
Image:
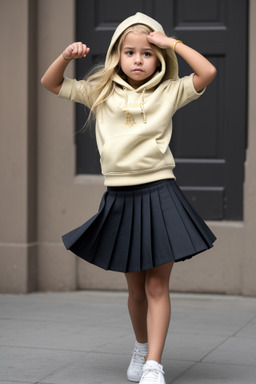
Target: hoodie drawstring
<point>126,99</point>
<point>142,109</point>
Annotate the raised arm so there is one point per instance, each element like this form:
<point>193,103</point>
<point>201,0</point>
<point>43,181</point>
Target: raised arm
<point>53,77</point>
<point>205,72</point>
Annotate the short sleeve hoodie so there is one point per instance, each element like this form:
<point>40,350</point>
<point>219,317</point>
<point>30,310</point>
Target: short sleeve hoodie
<point>134,126</point>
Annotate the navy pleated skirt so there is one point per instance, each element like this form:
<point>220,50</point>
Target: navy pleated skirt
<point>141,227</point>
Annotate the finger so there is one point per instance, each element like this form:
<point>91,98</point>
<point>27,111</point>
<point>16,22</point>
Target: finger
<point>79,50</point>
<point>150,38</point>
<point>73,50</point>
<point>68,52</point>
<point>86,50</point>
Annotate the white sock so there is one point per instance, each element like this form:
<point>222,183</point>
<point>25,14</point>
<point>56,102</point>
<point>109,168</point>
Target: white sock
<point>152,364</point>
<point>142,347</point>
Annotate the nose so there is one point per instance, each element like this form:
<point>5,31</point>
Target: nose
<point>138,59</point>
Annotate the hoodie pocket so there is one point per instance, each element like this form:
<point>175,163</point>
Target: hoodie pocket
<point>131,153</point>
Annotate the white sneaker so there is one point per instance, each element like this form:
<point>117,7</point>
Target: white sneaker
<point>134,371</point>
<point>152,373</point>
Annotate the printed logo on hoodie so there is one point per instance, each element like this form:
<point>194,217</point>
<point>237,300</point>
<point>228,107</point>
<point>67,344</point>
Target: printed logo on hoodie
<point>130,121</point>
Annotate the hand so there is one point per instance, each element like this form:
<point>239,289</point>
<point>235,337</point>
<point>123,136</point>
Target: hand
<point>161,40</point>
<point>76,51</point>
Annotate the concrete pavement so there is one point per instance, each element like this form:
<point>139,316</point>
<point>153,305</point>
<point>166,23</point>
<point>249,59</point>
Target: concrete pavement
<point>85,337</point>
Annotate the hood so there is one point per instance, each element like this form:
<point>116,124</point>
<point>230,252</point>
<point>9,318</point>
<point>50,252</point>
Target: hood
<point>169,67</point>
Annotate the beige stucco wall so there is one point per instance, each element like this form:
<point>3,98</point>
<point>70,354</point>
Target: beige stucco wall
<point>42,198</point>
<point>18,243</point>
<point>249,255</point>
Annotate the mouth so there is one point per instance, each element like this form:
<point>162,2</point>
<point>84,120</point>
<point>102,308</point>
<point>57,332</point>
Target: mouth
<point>137,70</point>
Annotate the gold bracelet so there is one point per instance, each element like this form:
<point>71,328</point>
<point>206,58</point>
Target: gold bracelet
<point>65,57</point>
<point>174,45</point>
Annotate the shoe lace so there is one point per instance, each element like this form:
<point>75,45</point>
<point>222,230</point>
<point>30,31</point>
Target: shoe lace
<point>138,358</point>
<point>150,375</point>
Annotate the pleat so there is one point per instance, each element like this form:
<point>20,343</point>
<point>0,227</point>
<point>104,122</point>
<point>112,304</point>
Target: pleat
<point>108,235</point>
<point>192,226</point>
<point>196,219</point>
<point>161,249</point>
<point>134,260</point>
<point>146,233</point>
<point>178,236</point>
<point>83,240</point>
<point>71,237</point>
<point>194,223</point>
<point>120,255</point>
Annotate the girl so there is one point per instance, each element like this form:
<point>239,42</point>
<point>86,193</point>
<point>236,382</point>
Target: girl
<point>144,223</point>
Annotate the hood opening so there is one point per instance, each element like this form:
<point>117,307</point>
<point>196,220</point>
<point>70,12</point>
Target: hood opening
<point>167,58</point>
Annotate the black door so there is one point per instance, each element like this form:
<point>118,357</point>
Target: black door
<point>209,136</point>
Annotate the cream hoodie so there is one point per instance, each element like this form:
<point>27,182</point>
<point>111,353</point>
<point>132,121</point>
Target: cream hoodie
<point>134,126</point>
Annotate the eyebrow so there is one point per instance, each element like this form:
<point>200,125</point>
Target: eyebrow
<point>144,49</point>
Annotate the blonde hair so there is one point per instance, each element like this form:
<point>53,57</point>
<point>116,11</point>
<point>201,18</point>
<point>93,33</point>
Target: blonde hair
<point>102,80</point>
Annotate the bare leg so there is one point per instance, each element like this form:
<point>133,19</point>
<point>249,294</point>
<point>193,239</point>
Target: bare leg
<point>159,309</point>
<point>137,304</point>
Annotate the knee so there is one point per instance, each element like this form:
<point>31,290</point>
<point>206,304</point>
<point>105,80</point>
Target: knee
<point>156,288</point>
<point>138,296</point>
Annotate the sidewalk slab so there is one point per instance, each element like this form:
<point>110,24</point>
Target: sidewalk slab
<point>219,374</point>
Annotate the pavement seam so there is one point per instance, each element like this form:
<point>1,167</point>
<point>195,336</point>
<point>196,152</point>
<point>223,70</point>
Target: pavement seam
<point>226,339</point>
<point>245,325</point>
<point>182,373</point>
<point>64,366</point>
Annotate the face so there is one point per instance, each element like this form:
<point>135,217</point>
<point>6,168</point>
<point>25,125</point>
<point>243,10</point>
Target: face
<point>138,60</point>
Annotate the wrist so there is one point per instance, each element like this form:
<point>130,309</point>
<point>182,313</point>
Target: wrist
<point>176,42</point>
<point>65,58</point>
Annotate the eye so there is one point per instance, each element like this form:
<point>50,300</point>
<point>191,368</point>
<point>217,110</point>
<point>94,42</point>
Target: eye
<point>147,54</point>
<point>129,53</point>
